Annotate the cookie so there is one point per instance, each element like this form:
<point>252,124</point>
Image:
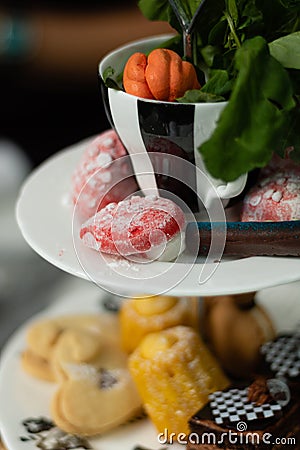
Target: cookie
<point>97,401</point>
<point>76,348</point>
<point>44,335</point>
<point>36,366</point>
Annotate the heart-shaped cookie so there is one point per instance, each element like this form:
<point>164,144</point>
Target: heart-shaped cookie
<point>95,402</point>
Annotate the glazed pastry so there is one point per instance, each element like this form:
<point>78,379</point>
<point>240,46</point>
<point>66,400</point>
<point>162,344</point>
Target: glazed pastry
<point>235,328</point>
<point>142,315</point>
<point>95,401</point>
<point>174,373</point>
<point>149,227</point>
<point>96,180</point>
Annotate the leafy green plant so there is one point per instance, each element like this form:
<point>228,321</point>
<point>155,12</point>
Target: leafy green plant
<point>248,53</point>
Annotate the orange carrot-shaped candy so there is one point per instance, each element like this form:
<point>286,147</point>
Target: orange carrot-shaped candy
<point>134,81</point>
<point>164,76</point>
<point>169,77</point>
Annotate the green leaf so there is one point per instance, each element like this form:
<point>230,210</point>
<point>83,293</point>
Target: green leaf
<point>255,118</point>
<point>108,78</point>
<point>218,83</point>
<point>208,53</point>
<point>279,18</point>
<point>232,10</point>
<point>290,4</point>
<point>155,9</point>
<point>287,50</point>
<point>198,96</point>
<point>159,10</point>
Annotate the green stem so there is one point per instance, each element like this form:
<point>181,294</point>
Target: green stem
<point>232,29</point>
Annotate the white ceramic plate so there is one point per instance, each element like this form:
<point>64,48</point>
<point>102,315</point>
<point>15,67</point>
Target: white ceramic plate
<point>44,215</point>
<point>23,397</point>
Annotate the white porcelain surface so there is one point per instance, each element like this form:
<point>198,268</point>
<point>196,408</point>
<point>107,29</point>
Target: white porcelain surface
<point>44,215</point>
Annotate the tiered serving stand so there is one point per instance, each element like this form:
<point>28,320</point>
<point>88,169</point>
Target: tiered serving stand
<point>45,217</point>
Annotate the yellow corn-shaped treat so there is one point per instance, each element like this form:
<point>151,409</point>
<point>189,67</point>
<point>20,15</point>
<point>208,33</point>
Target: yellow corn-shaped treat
<point>142,315</point>
<point>174,373</point>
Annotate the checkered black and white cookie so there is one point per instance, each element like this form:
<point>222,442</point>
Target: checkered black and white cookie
<point>233,406</point>
<point>283,356</point>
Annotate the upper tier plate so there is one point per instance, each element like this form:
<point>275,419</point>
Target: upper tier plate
<point>44,215</point>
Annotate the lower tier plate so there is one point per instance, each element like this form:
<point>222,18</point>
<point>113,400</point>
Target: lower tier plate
<point>23,397</point>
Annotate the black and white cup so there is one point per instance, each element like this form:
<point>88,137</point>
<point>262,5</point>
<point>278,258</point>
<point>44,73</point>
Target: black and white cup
<point>149,126</point>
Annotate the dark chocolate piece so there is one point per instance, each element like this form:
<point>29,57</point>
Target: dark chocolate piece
<point>229,407</point>
<point>229,421</point>
<point>246,239</point>
<point>258,391</point>
<point>248,410</point>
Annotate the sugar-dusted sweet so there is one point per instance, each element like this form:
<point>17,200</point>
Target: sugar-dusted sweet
<point>140,316</point>
<point>174,373</point>
<point>151,227</point>
<point>276,195</point>
<point>102,175</point>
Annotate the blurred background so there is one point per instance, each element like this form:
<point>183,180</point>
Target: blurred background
<point>49,55</point>
<point>50,99</point>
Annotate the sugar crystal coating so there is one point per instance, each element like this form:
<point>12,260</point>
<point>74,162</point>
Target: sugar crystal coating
<point>133,226</point>
<point>96,180</point>
<point>276,196</point>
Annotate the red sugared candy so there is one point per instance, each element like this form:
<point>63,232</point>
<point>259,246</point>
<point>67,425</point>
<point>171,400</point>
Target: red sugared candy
<point>276,196</point>
<point>135,226</point>
<point>100,177</point>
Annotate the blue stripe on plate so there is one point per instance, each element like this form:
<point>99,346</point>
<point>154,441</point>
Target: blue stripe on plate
<point>271,227</point>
